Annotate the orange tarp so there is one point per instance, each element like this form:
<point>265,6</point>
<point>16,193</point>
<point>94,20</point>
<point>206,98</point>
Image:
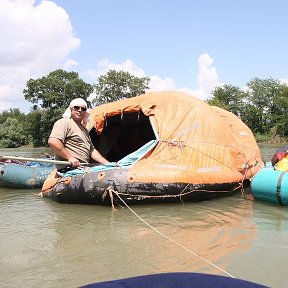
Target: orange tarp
<point>197,143</point>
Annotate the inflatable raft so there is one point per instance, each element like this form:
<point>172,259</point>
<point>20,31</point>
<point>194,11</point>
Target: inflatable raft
<point>24,175</point>
<point>176,279</point>
<point>187,151</point>
<point>270,185</point>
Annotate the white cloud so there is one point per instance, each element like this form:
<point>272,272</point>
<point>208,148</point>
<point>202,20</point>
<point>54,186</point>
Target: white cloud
<point>207,78</point>
<point>104,65</point>
<point>70,63</point>
<point>38,38</point>
<point>35,41</point>
<point>158,84</point>
<point>285,81</point>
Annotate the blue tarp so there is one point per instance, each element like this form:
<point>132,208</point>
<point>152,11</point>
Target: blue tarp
<point>124,163</point>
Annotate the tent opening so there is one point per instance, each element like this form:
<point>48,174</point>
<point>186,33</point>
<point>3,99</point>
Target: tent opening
<point>123,135</point>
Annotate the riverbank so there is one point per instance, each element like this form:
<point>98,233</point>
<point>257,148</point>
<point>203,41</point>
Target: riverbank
<point>270,139</point>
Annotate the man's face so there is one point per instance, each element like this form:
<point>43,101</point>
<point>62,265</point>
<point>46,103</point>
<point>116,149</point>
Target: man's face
<point>78,113</point>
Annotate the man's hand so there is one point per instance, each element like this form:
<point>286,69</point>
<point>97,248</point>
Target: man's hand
<point>74,162</point>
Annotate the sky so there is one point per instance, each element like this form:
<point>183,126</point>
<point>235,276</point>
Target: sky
<point>184,45</point>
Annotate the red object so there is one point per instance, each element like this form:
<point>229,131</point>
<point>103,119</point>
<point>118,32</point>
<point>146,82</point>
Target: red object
<point>279,155</point>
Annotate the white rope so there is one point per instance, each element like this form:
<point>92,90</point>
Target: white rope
<point>168,238</point>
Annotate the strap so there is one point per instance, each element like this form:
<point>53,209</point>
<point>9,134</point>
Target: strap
<point>278,192</point>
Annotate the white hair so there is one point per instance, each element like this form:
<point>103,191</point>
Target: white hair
<point>75,102</point>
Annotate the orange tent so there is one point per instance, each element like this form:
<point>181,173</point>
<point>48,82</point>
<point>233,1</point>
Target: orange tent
<point>189,148</point>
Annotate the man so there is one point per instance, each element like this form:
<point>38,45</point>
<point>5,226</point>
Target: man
<point>70,139</point>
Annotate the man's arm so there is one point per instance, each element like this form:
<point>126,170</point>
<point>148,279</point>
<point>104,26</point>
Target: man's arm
<point>96,156</point>
<point>58,148</point>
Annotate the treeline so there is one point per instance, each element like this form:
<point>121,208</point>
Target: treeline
<point>51,95</point>
<point>262,105</point>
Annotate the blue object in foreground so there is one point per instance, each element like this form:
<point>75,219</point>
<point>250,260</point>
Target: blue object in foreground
<point>271,186</point>
<point>177,280</point>
<point>13,175</point>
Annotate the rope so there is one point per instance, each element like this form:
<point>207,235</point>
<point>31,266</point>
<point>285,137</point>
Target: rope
<point>242,188</point>
<point>248,167</point>
<point>189,144</point>
<point>110,190</point>
<point>180,195</point>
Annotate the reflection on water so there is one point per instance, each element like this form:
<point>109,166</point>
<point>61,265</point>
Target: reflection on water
<point>48,244</point>
<point>68,244</point>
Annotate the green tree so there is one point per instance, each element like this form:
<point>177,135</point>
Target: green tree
<point>279,116</point>
<point>252,117</point>
<point>12,113</point>
<point>262,94</point>
<point>50,96</point>
<point>119,85</point>
<point>56,90</point>
<point>34,128</point>
<point>12,134</point>
<point>229,98</point>
<point>262,107</point>
<point>40,125</point>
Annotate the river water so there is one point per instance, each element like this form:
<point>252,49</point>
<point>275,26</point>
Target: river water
<point>47,244</point>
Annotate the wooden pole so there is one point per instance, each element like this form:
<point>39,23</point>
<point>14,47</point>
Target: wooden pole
<point>38,160</point>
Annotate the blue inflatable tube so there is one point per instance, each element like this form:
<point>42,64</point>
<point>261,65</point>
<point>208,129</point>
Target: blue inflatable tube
<point>176,280</point>
<point>271,186</point>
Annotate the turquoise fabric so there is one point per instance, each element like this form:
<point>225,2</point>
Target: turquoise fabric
<point>124,163</point>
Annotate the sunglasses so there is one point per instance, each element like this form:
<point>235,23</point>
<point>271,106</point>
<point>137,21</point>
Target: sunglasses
<point>79,108</point>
